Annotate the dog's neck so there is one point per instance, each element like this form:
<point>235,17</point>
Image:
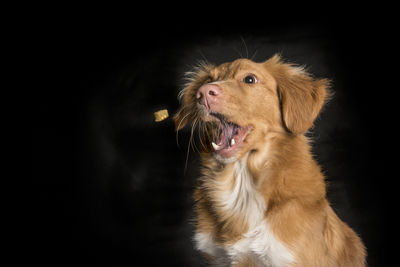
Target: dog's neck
<point>245,189</point>
<point>242,196</point>
<point>230,192</point>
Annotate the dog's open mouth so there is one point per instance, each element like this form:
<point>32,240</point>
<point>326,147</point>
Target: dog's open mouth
<point>230,136</point>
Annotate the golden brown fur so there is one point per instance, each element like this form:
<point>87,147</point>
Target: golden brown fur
<point>278,109</point>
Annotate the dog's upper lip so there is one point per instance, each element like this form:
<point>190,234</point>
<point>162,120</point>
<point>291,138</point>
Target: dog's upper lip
<point>222,118</point>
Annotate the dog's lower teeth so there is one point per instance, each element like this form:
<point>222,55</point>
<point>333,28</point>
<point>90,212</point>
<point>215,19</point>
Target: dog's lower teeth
<point>232,142</point>
<point>215,146</point>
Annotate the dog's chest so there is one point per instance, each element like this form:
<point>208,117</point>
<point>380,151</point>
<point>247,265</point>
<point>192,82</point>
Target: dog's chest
<point>258,243</point>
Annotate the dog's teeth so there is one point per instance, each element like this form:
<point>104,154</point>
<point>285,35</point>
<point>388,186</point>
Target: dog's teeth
<point>215,146</point>
<point>232,142</point>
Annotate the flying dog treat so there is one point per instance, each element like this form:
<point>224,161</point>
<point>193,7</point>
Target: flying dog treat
<point>160,115</point>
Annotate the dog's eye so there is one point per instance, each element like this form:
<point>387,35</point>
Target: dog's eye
<point>250,79</point>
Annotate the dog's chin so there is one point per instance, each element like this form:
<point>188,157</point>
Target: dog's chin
<point>225,160</point>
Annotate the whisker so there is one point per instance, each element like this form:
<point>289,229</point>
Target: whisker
<point>201,133</point>
<point>194,146</point>
<point>203,56</point>
<point>177,135</point>
<point>214,133</point>
<point>245,46</point>
<point>190,142</point>
<point>187,155</point>
<point>252,58</point>
<point>205,134</point>
<point>237,51</point>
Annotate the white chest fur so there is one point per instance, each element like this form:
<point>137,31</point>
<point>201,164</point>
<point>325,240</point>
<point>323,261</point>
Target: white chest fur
<point>259,242</point>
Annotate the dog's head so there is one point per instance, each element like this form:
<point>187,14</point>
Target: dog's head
<point>237,103</point>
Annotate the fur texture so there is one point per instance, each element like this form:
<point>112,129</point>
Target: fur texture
<point>261,198</point>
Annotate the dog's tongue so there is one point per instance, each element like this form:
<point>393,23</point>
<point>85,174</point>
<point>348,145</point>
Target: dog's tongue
<point>226,133</point>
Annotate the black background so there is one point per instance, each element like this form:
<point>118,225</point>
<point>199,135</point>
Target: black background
<point>109,185</point>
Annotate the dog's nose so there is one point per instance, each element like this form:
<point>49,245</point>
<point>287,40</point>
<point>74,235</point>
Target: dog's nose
<point>208,94</point>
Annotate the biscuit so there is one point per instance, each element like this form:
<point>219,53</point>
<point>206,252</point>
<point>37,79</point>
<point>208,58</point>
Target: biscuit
<point>160,115</point>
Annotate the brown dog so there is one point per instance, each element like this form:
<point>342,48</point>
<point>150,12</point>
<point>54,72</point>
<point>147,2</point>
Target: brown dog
<point>261,200</point>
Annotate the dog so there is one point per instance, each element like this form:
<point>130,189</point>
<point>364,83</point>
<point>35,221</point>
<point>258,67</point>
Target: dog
<point>261,198</point>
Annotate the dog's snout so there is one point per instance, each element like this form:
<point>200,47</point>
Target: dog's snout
<point>208,95</point>
<point>208,90</point>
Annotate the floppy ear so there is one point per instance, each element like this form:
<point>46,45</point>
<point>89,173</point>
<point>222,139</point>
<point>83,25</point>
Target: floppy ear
<point>301,96</point>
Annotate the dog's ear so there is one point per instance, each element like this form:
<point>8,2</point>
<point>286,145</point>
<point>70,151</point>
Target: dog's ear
<point>301,96</point>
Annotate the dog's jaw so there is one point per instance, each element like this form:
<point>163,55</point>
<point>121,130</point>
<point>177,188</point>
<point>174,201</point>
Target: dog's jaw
<point>235,146</point>
<point>229,142</point>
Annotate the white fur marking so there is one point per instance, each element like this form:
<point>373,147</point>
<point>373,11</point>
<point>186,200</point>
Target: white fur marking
<point>244,198</point>
<point>205,244</point>
<point>259,242</point>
